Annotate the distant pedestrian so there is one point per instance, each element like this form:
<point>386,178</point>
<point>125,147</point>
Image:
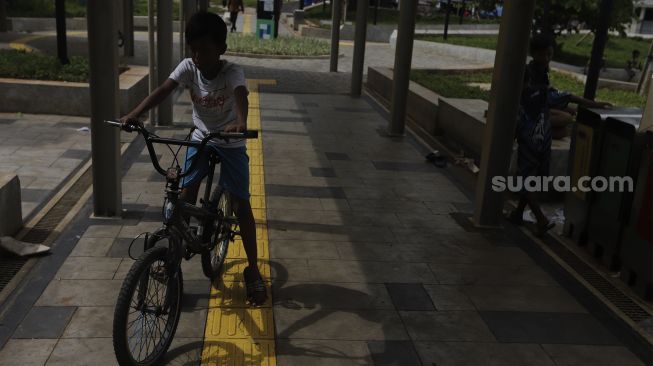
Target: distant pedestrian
<point>234,7</point>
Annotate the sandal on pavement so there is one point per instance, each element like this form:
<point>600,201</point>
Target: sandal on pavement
<point>256,292</point>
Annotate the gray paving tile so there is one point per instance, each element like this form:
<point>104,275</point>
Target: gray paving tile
<point>298,295</point>
<point>286,119</point>
<point>446,326</point>
<point>404,167</point>
<point>477,353</point>
<point>102,231</point>
<point>409,296</point>
<point>196,294</point>
<point>572,355</point>
<point>192,323</point>
<point>6,122</point>
<point>72,124</point>
<point>354,110</point>
<point>44,322</point>
<point>80,293</point>
<point>91,322</point>
<point>83,352</point>
<point>33,195</point>
<point>303,191</point>
<point>369,272</point>
<point>76,154</point>
<point>310,104</point>
<point>322,172</point>
<point>290,230</point>
<point>473,274</point>
<point>337,156</point>
<point>393,353</point>
<point>145,158</point>
<point>447,297</point>
<point>303,249</point>
<point>88,268</point>
<point>559,328</point>
<point>120,248</point>
<point>92,247</point>
<point>523,298</point>
<point>302,352</point>
<point>185,352</point>
<point>26,352</point>
<point>324,324</point>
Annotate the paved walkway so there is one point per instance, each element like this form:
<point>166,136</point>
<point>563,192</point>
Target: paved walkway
<point>42,150</point>
<point>369,264</point>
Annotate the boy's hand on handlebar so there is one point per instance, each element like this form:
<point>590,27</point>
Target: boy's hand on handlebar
<point>129,122</point>
<point>235,126</point>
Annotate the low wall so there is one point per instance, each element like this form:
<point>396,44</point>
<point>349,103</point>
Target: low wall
<point>422,103</point>
<point>72,24</point>
<point>67,98</point>
<point>459,123</point>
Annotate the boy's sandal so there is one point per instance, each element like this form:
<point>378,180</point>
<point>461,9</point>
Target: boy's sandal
<point>542,229</point>
<point>256,292</point>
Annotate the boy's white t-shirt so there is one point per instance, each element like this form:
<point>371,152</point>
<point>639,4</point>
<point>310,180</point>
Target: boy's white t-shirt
<point>213,100</point>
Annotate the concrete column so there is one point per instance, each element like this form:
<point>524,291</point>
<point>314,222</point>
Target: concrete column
<point>336,12</point>
<point>3,16</point>
<point>360,38</point>
<point>403,60</point>
<point>182,26</point>
<point>600,39</point>
<point>105,140</point>
<point>128,24</point>
<point>203,5</point>
<point>507,79</point>
<point>151,55</point>
<point>164,56</point>
<point>190,8</point>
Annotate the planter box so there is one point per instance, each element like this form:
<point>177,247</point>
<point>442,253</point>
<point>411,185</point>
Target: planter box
<point>66,98</point>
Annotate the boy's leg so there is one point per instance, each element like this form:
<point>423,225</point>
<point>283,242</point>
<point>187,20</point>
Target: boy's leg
<point>245,216</point>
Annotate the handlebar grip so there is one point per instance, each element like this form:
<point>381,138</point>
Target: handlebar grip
<point>251,134</point>
<point>113,123</point>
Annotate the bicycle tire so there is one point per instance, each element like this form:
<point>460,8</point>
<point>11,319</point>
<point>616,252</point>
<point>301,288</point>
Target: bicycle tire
<point>135,282</point>
<point>213,260</point>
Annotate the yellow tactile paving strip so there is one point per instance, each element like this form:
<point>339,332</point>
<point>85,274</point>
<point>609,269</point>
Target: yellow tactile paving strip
<point>237,334</point>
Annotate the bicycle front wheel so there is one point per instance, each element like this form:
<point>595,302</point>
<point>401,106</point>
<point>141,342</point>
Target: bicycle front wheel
<point>147,311</point>
<point>213,260</point>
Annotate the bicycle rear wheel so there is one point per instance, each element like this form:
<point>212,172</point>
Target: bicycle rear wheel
<point>147,311</point>
<point>213,260</point>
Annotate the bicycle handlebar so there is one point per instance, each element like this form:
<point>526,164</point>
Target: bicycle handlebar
<point>150,139</point>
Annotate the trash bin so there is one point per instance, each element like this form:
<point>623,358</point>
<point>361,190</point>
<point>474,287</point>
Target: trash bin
<point>583,161</point>
<point>619,157</point>
<point>636,251</point>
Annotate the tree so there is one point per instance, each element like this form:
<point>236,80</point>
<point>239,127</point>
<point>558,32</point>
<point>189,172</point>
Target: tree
<point>62,43</point>
<point>3,15</point>
<point>550,13</point>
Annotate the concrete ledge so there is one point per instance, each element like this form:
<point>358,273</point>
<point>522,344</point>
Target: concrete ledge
<point>66,98</point>
<point>422,103</point>
<point>463,121</point>
<point>11,216</point>
<point>72,24</point>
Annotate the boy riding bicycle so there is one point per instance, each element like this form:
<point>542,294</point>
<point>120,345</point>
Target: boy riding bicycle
<point>219,95</point>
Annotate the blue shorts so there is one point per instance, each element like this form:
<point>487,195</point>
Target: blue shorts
<point>234,169</point>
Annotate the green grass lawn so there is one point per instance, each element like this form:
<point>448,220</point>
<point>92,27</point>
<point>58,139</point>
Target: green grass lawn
<point>455,86</point>
<point>618,49</point>
<point>384,16</point>
<point>289,46</point>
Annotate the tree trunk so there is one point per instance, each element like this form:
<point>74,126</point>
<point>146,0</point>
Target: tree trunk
<point>62,46</point>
